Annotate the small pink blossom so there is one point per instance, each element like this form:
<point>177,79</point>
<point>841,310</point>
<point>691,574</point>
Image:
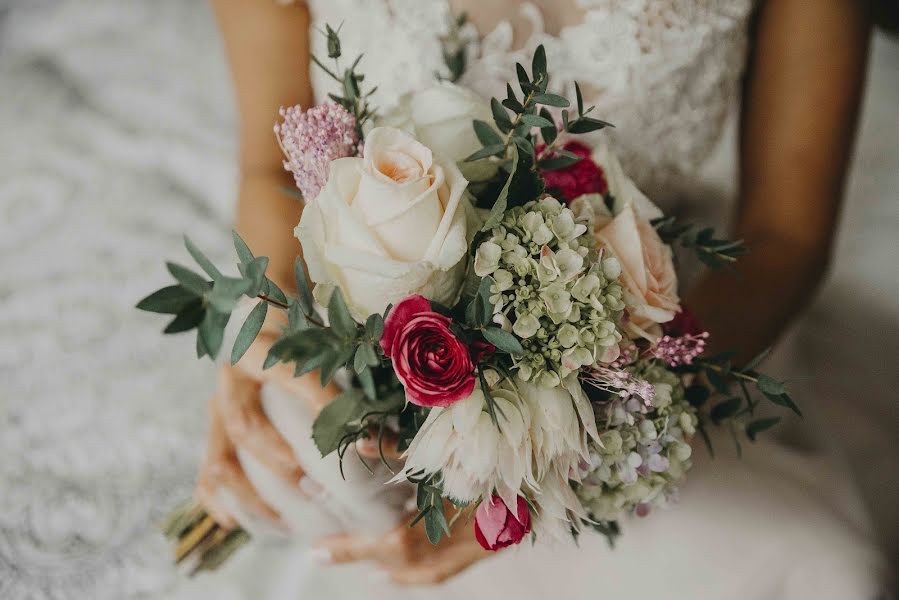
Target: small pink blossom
<point>681,350</point>
<point>312,139</point>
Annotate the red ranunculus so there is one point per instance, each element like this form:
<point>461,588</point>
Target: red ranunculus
<point>495,526</point>
<point>583,177</point>
<point>433,365</point>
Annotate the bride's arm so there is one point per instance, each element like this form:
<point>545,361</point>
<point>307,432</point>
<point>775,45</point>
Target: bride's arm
<point>800,104</point>
<point>267,49</point>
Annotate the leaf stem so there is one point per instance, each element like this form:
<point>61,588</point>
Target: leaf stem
<point>737,374</point>
<point>311,318</point>
<point>272,301</point>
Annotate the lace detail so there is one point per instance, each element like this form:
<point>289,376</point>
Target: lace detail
<point>665,72</point>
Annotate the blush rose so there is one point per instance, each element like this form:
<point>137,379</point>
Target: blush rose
<point>434,366</point>
<point>647,270</point>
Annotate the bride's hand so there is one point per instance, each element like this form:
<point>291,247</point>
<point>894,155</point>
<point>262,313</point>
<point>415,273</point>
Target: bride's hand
<point>238,420</point>
<point>404,554</point>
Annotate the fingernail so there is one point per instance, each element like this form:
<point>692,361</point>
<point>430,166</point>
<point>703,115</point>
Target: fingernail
<point>319,556</point>
<point>309,486</point>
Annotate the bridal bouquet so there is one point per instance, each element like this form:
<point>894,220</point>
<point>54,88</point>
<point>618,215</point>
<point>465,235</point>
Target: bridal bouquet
<point>504,300</point>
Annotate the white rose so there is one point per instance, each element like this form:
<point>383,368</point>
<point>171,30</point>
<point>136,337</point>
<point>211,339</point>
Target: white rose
<point>387,226</point>
<point>440,117</point>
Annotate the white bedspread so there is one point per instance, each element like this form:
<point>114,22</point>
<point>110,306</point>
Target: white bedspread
<point>116,135</point>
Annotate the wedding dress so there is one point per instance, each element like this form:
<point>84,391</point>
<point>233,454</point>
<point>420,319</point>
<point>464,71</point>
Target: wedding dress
<point>778,523</point>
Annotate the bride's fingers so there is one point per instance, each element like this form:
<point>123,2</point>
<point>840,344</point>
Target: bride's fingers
<point>222,468</point>
<point>443,565</point>
<point>399,547</point>
<point>249,428</point>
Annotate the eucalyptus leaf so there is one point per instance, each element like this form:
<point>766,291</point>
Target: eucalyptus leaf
<point>552,100</point>
<point>331,424</point>
<point>212,331</point>
<point>503,340</point>
<point>580,98</point>
<point>499,207</point>
<point>523,81</point>
<point>254,271</point>
<point>536,121</point>
<point>784,400</point>
<point>359,362</point>
<point>374,326</point>
<point>486,134</point>
<point>270,289</point>
<point>339,317</point>
<point>304,294</point>
<point>243,251</point>
<point>169,300</point>
<point>435,524</point>
<point>756,427</point>
<point>333,359</point>
<point>726,409</point>
<point>226,292</point>
<point>201,259</point>
<point>538,63</point>
<point>296,320</point>
<point>189,279</point>
<point>770,386</point>
<point>586,125</point>
<point>188,317</point>
<point>558,162</point>
<point>367,382</point>
<point>487,151</point>
<point>500,116</point>
<point>248,331</point>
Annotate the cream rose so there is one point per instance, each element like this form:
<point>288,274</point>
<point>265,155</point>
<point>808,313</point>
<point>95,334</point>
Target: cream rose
<point>387,226</point>
<point>647,269</point>
<point>440,117</point>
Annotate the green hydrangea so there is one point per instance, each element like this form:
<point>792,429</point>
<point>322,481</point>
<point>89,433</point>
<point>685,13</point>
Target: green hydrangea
<point>553,289</point>
<point>643,454</point>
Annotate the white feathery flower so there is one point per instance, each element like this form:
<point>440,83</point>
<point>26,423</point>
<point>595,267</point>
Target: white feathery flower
<point>542,437</point>
<point>474,457</point>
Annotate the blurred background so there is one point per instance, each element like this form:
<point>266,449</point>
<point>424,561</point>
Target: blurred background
<point>116,136</point>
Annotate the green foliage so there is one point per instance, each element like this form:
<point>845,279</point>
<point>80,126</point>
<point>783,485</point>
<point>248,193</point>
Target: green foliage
<point>503,340</point>
<point>248,331</point>
<point>429,502</point>
<point>726,409</point>
<point>352,98</point>
<point>201,259</point>
<point>760,425</point>
<point>169,300</point>
<point>712,251</point>
<point>330,425</point>
<point>735,410</point>
<point>512,143</point>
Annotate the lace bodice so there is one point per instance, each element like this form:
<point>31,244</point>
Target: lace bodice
<point>665,72</point>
